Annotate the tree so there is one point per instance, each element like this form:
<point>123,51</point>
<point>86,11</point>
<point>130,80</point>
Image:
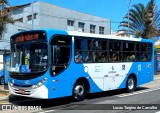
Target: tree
<point>143,21</point>
<point>4,16</point>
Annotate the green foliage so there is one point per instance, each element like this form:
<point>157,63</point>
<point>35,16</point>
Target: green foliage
<point>4,16</point>
<point>143,21</point>
<point>137,34</point>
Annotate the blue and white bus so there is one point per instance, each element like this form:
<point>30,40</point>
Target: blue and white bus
<point>4,72</point>
<point>53,63</point>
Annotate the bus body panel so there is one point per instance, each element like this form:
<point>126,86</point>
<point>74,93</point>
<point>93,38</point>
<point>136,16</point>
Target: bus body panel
<point>64,83</point>
<point>116,72</point>
<point>27,82</point>
<point>60,87</point>
<point>100,76</point>
<point>41,92</point>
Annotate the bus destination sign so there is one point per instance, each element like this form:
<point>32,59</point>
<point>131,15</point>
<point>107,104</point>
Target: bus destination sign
<point>30,37</point>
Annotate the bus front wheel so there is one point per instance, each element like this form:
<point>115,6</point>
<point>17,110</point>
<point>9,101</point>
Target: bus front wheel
<point>131,84</point>
<point>79,91</point>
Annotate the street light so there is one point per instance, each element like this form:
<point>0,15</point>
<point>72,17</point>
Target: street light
<point>128,5</point>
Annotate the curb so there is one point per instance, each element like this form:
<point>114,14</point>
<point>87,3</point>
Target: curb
<point>4,98</point>
<point>156,77</point>
<point>4,91</point>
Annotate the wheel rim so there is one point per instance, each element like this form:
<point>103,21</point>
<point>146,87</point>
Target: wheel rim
<point>79,91</point>
<point>130,84</point>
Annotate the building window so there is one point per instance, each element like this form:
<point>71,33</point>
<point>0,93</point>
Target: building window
<point>70,25</point>
<point>29,17</point>
<point>70,22</point>
<point>92,28</point>
<point>101,30</point>
<point>35,16</point>
<point>20,20</point>
<point>21,30</point>
<point>81,26</point>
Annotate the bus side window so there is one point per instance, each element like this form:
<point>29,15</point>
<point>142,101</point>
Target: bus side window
<point>150,48</point>
<point>95,56</point>
<point>143,57</point>
<point>88,57</point>
<point>115,56</point>
<point>78,57</point>
<point>143,47</point>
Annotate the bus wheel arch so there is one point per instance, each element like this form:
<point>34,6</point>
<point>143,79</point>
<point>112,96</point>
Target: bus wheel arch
<point>131,83</point>
<point>80,89</point>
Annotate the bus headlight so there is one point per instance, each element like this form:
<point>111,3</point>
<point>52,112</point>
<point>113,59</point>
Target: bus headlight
<point>34,86</point>
<point>39,84</point>
<point>11,84</point>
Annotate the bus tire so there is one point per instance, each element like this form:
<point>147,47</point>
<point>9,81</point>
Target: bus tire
<point>79,91</point>
<point>2,80</point>
<point>131,84</point>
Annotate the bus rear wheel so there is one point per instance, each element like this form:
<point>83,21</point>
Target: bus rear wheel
<point>79,91</point>
<point>131,84</point>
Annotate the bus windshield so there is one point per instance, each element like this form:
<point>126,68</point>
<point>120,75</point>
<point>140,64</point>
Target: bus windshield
<point>28,58</point>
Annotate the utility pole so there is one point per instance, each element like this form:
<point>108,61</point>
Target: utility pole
<point>128,5</point>
<point>32,16</point>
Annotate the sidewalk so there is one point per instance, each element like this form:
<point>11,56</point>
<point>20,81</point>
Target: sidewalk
<point>157,77</point>
<point>154,84</point>
<point>4,92</point>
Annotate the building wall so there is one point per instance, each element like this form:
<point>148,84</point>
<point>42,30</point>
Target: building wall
<point>56,17</point>
<point>25,11</point>
<point>1,62</point>
<point>51,16</point>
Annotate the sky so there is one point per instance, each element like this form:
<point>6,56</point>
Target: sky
<point>114,10</point>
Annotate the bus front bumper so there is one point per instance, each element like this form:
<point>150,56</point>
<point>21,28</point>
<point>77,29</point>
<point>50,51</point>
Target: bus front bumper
<point>40,92</point>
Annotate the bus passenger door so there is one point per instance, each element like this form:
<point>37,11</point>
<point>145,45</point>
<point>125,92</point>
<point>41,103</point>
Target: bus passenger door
<point>108,77</point>
<point>113,76</point>
<point>98,78</point>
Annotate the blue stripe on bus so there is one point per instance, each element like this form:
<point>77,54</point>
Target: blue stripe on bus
<point>64,85</point>
<point>144,75</point>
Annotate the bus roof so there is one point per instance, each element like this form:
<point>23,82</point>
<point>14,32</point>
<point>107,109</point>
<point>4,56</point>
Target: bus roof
<point>76,33</point>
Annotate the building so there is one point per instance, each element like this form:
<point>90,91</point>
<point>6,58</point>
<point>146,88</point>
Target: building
<point>50,16</point>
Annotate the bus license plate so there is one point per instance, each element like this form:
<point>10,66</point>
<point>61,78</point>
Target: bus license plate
<point>21,91</point>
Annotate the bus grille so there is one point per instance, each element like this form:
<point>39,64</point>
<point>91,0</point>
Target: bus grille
<point>26,91</point>
<point>22,85</point>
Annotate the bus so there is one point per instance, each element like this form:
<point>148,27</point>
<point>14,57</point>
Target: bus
<point>49,64</point>
<point>4,72</point>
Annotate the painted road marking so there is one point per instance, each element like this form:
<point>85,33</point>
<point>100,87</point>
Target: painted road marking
<point>47,111</point>
<point>123,95</point>
<point>139,92</point>
<point>157,112</point>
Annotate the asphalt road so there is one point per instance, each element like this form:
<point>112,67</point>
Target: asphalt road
<point>107,102</point>
<point>117,101</point>
<point>142,101</point>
